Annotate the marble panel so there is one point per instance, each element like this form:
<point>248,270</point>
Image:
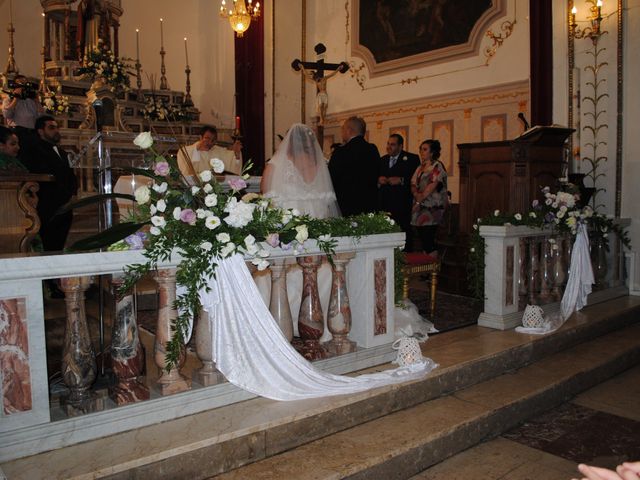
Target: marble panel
<point>380,306</point>
<point>14,356</point>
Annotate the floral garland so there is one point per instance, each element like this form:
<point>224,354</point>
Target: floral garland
<point>159,110</point>
<point>55,103</point>
<point>204,222</point>
<point>101,62</point>
<point>560,211</point>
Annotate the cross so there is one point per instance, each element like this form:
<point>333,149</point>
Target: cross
<point>315,72</point>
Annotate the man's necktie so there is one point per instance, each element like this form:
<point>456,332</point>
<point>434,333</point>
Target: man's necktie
<point>392,161</point>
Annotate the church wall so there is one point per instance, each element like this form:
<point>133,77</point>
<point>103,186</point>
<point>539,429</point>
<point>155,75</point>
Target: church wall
<point>459,101</point>
<point>607,105</point>
<point>210,44</point>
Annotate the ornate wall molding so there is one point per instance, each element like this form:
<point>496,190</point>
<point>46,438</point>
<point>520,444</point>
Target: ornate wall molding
<point>468,49</point>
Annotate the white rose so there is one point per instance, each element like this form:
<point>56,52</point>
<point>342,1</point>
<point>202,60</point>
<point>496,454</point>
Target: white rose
<point>176,213</point>
<point>325,238</point>
<point>249,240</point>
<point>201,213</point>
<point>496,213</point>
<point>161,188</point>
<point>155,231</point>
<point>206,176</point>
<point>211,200</point>
<point>206,246</point>
<point>227,249</point>
<point>217,165</point>
<point>144,140</point>
<point>142,194</point>
<point>194,190</point>
<point>207,188</point>
<point>158,221</point>
<point>153,209</point>
<point>161,205</point>
<point>518,216</point>
<point>212,222</point>
<point>303,233</point>
<point>223,237</point>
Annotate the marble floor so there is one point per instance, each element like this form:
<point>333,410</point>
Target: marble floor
<point>600,427</point>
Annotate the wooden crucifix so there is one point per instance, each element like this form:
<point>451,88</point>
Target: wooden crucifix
<point>315,71</point>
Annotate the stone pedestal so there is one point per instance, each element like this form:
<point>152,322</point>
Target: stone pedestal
<point>171,381</point>
<point>208,375</point>
<point>78,359</point>
<point>339,314</point>
<point>127,353</point>
<point>279,301</point>
<point>310,318</point>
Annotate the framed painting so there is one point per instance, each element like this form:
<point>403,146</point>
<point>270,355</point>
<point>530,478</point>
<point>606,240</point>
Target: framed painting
<point>393,35</point>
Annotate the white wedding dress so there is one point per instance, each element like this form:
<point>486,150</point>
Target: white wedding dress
<point>253,354</point>
<point>297,175</point>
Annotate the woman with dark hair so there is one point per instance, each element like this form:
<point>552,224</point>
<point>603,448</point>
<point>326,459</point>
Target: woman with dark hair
<point>430,198</point>
<point>9,148</point>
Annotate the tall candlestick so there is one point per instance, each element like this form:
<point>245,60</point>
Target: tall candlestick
<point>186,52</point>
<point>137,44</point>
<point>161,35</point>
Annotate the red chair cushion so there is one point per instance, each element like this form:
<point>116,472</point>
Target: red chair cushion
<point>419,258</point>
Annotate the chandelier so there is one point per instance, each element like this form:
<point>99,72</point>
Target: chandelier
<point>240,15</point>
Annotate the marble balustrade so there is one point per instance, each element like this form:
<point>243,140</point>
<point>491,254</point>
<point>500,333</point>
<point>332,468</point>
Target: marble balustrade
<point>531,266</point>
<point>349,315</point>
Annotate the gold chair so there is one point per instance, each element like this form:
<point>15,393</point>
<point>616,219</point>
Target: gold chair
<point>422,263</point>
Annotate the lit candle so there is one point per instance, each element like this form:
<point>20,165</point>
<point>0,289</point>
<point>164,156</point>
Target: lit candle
<point>238,123</point>
<point>137,44</point>
<point>161,35</point>
<point>599,5</point>
<point>186,52</point>
<point>44,31</point>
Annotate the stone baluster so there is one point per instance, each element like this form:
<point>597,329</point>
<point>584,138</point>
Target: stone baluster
<point>127,353</point>
<point>534,248</point>
<point>279,300</point>
<point>339,315</point>
<point>207,375</point>
<point>599,261</point>
<point>310,318</point>
<point>522,272</point>
<point>559,267</point>
<point>170,381</point>
<point>78,358</point>
<point>546,281</point>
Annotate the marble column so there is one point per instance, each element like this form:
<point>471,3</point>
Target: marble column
<point>546,271</point>
<point>559,268</point>
<point>78,359</point>
<point>534,281</point>
<point>279,300</point>
<point>339,314</point>
<point>127,353</point>
<point>310,318</point>
<point>208,375</point>
<point>171,381</point>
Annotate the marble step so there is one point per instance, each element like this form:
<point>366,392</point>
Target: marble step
<point>221,439</point>
<point>407,442</point>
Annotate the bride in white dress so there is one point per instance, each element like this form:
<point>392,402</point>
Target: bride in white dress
<point>297,175</point>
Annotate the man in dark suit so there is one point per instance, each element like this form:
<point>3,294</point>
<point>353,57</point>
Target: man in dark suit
<point>354,170</point>
<point>43,155</point>
<point>394,184</point>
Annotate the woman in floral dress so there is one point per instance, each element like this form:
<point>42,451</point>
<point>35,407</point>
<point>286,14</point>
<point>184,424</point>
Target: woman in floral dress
<point>429,189</point>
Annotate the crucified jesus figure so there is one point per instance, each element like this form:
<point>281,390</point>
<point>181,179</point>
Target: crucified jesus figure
<point>315,72</point>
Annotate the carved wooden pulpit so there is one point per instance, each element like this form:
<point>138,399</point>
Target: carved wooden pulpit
<point>19,222</point>
<point>509,175</point>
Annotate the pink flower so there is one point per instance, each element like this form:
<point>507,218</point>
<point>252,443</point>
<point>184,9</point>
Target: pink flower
<point>273,239</point>
<point>162,169</point>
<point>237,184</point>
<point>188,216</point>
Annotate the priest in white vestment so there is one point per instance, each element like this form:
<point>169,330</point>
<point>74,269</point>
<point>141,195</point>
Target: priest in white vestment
<point>202,151</point>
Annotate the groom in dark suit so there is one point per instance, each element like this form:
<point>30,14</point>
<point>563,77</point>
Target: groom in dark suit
<point>394,184</point>
<point>354,170</point>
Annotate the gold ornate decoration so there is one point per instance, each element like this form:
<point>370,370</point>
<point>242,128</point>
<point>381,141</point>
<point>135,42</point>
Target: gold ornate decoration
<point>356,72</point>
<point>408,81</point>
<point>498,38</point>
<point>11,61</point>
<point>347,22</point>
<point>240,15</point>
<point>593,117</point>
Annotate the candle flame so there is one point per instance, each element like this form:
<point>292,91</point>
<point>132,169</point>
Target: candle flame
<point>574,10</point>
<point>599,3</point>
